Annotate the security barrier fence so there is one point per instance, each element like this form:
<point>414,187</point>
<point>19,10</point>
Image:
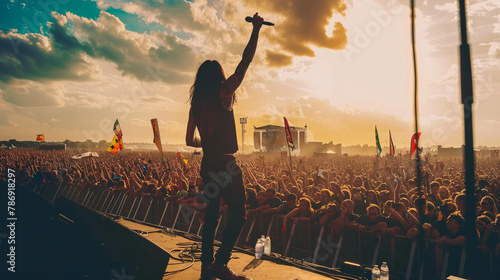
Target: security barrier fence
<point>305,241</point>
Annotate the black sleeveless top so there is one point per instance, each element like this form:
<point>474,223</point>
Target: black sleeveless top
<point>217,128</point>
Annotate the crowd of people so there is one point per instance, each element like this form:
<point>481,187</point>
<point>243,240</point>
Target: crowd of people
<point>345,193</point>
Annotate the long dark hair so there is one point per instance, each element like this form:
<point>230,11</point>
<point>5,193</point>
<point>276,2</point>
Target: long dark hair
<point>206,86</point>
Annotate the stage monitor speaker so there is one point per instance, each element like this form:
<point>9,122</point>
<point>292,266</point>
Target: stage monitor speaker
<point>110,250</point>
<point>352,269</point>
<point>72,242</point>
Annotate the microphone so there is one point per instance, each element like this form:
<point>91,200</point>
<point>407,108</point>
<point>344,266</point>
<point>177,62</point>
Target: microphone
<point>250,19</point>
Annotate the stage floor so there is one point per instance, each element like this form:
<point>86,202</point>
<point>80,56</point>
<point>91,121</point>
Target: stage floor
<point>240,262</point>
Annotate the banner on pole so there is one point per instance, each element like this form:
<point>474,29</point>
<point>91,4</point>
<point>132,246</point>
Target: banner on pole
<point>117,142</point>
<point>377,141</point>
<point>391,145</point>
<point>289,139</point>
<point>414,143</point>
<point>156,135</point>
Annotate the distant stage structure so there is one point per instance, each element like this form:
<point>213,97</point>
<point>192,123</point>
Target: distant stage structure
<point>272,138</point>
<point>458,153</point>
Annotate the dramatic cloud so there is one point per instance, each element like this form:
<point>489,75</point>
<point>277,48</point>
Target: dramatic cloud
<point>302,24</point>
<point>482,7</point>
<point>65,54</point>
<point>450,7</point>
<point>494,50</point>
<point>155,57</point>
<point>98,61</point>
<point>35,57</point>
<point>85,99</point>
<point>33,94</point>
<point>4,117</point>
<point>214,27</point>
<point>278,59</point>
<point>175,15</point>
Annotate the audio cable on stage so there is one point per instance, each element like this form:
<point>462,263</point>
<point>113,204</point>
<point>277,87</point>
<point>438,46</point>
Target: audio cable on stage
<point>188,252</point>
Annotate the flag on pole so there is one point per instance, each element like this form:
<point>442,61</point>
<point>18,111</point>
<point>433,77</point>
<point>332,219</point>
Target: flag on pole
<point>181,157</point>
<point>391,145</point>
<point>379,148</point>
<point>184,159</point>
<point>117,129</point>
<point>117,142</point>
<point>116,145</point>
<point>156,135</point>
<point>289,139</point>
<point>414,143</point>
<point>40,137</point>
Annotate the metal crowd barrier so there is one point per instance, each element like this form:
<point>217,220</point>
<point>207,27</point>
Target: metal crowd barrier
<point>183,218</point>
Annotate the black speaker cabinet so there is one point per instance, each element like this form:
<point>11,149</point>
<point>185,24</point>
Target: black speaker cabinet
<point>69,241</point>
<point>110,249</point>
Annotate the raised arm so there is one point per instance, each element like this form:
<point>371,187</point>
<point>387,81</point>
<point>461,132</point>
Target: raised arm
<point>290,172</point>
<point>250,174</point>
<point>234,81</point>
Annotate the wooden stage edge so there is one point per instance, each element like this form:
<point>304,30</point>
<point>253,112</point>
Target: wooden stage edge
<point>240,263</point>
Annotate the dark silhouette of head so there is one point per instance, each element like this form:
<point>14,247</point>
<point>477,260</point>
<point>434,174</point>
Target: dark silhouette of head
<point>206,87</point>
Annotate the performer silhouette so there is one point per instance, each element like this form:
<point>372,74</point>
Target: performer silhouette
<point>212,98</point>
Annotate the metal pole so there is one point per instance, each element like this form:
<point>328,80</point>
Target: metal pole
<point>102,206</point>
<point>192,220</point>
<point>243,121</point>
<point>415,95</point>
<point>467,101</point>
<point>147,212</point>
<point>109,203</point>
<point>96,203</point>
<point>85,199</point>
<point>54,198</point>
<point>164,211</point>
<point>316,250</point>
<point>137,209</point>
<point>177,216</point>
<point>131,207</point>
<point>122,202</point>
<point>290,155</point>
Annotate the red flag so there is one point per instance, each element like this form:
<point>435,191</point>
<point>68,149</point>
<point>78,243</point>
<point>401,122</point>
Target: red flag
<point>289,139</point>
<point>391,145</point>
<point>414,143</point>
<point>156,135</point>
<point>40,137</point>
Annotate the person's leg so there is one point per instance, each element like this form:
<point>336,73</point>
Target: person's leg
<point>234,196</point>
<point>212,193</point>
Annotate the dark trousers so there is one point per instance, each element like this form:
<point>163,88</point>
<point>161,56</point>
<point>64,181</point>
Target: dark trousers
<point>222,178</point>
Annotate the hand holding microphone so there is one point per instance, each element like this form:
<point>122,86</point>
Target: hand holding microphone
<point>258,21</point>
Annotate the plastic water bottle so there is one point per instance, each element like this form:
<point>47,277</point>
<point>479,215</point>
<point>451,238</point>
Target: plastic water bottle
<point>376,273</point>
<point>263,240</point>
<point>259,248</point>
<point>267,246</point>
<point>384,271</point>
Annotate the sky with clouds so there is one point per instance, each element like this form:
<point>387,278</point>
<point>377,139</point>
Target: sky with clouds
<point>69,68</point>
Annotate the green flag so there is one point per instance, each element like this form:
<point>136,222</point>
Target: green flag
<point>379,149</point>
